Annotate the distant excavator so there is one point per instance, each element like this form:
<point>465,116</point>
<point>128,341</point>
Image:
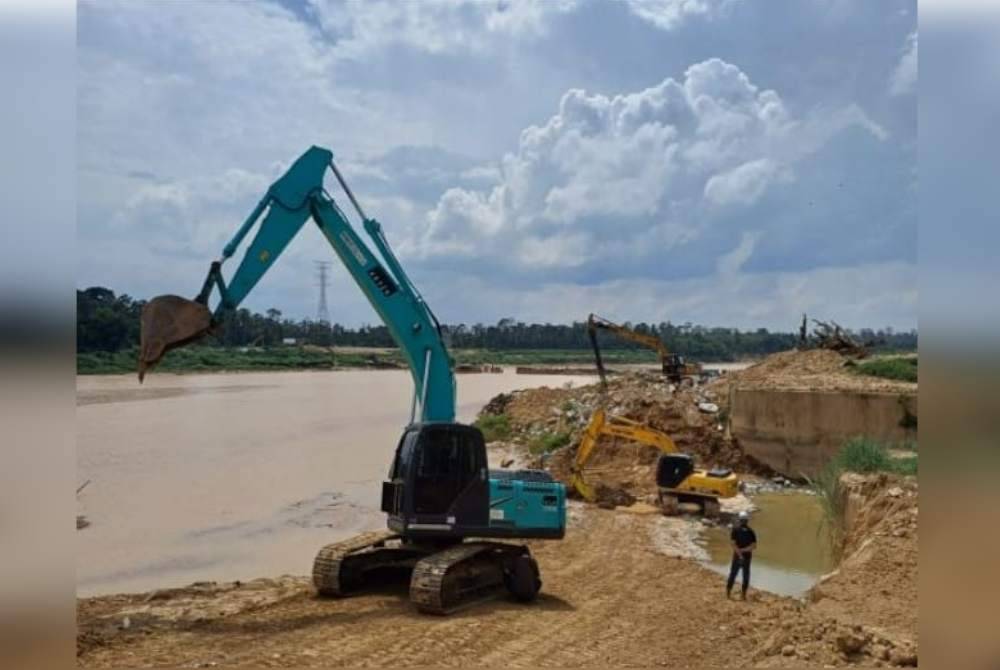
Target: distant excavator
<point>675,368</point>
<point>677,479</point>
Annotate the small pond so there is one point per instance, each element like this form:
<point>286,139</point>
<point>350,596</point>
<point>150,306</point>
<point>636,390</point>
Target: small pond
<point>793,547</point>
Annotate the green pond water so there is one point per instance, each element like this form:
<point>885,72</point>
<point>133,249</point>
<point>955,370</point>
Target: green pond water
<point>793,548</point>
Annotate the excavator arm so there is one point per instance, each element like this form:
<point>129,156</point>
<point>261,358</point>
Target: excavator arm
<point>649,341</point>
<point>613,426</point>
<point>172,321</point>
<point>673,365</point>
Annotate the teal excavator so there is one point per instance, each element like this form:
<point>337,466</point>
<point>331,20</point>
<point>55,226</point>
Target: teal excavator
<point>450,518</point>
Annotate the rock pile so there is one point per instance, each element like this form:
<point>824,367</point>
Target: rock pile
<point>622,471</point>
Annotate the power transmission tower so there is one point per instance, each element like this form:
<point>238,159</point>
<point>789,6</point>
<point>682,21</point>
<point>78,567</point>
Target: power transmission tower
<point>322,312</point>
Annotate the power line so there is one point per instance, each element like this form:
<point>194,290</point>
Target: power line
<point>322,311</point>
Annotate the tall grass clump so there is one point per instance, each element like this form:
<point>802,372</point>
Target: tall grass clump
<point>547,442</point>
<point>902,369</point>
<point>833,500</point>
<point>494,427</point>
<point>863,455</point>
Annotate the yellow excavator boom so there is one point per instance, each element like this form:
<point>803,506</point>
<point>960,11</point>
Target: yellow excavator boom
<point>614,426</point>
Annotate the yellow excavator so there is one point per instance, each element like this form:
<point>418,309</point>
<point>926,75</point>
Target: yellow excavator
<point>675,368</point>
<point>677,479</point>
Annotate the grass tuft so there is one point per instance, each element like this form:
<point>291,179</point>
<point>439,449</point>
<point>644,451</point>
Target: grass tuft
<point>494,427</point>
<point>863,455</point>
<point>548,442</point>
<point>830,493</point>
<point>899,368</point>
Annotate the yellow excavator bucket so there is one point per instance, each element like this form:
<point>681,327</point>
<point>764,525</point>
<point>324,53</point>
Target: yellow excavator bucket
<point>168,322</point>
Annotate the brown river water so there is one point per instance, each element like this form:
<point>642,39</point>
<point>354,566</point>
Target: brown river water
<point>236,476</point>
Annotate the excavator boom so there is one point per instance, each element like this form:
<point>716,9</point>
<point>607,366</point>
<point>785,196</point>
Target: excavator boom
<point>171,321</point>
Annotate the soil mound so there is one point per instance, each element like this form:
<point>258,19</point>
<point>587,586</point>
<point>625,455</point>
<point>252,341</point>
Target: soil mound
<point>814,369</point>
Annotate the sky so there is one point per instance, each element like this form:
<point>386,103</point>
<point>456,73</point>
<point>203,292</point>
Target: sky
<point>724,162</point>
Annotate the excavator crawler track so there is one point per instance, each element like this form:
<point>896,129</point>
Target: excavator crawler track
<point>461,576</point>
<point>345,567</point>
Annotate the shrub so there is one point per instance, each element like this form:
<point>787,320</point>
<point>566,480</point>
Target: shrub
<point>494,426</point>
<point>861,454</point>
<point>905,466</point>
<point>547,442</point>
<point>902,369</point>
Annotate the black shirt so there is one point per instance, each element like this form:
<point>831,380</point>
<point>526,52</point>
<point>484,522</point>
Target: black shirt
<point>743,536</point>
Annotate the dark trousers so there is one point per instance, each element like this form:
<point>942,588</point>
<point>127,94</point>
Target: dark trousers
<point>740,561</point>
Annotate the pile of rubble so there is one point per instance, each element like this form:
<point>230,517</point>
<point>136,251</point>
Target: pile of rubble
<point>800,636</point>
<point>622,471</point>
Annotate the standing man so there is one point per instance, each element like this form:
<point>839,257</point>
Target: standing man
<point>744,541</point>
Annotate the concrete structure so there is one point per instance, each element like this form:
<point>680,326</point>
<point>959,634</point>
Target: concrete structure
<point>796,432</point>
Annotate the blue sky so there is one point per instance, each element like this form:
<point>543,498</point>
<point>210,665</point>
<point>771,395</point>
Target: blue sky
<point>727,162</point>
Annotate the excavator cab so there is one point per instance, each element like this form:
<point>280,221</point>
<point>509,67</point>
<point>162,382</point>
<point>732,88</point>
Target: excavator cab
<point>440,487</point>
<point>439,481</point>
<point>673,469</point>
<point>674,368</point>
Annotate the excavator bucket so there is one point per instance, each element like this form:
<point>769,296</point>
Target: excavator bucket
<point>168,322</point>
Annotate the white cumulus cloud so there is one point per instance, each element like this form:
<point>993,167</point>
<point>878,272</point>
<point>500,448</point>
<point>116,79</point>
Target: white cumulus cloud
<point>669,14</point>
<point>904,77</point>
<point>620,178</point>
<point>435,26</point>
<point>731,263</point>
<point>742,185</point>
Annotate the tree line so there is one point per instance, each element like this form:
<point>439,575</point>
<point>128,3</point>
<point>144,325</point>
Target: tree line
<point>110,323</point>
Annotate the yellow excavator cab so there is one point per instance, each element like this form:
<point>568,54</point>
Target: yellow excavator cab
<point>168,322</point>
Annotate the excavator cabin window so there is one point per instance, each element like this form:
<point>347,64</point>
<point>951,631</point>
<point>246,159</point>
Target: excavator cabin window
<point>446,461</point>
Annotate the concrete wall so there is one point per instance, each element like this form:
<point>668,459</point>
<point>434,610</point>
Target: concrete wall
<point>796,432</point>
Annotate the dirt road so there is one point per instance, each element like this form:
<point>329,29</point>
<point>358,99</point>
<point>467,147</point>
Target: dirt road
<point>604,601</point>
<point>610,598</point>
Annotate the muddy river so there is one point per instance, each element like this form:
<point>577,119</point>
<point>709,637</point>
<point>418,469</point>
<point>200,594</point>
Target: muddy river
<point>236,476</point>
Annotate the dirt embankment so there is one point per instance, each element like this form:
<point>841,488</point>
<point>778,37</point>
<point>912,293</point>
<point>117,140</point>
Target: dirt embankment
<point>613,594</point>
<point>880,552</point>
<point>814,369</point>
<point>866,611</point>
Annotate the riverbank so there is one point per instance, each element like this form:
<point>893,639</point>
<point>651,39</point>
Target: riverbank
<point>308,357</point>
